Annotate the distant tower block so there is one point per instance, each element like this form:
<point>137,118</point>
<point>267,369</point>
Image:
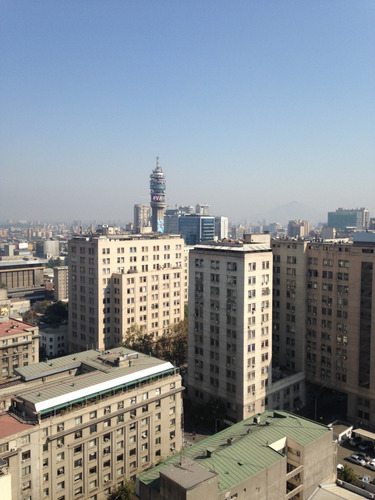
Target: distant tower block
<point>157,188</point>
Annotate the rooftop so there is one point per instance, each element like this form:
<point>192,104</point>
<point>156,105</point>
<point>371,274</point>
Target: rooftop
<point>234,247</point>
<point>125,237</point>
<point>9,426</point>
<point>244,449</point>
<point>14,327</point>
<point>95,372</point>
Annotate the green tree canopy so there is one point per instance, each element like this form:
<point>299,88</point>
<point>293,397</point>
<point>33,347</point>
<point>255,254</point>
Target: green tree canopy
<point>30,316</point>
<point>55,313</point>
<point>347,474</point>
<point>171,347</point>
<point>124,492</point>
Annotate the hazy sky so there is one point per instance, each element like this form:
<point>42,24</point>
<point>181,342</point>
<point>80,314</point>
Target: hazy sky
<point>249,105</point>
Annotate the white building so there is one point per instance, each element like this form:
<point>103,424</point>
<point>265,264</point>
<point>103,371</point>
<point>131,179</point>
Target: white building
<point>221,227</point>
<point>54,340</point>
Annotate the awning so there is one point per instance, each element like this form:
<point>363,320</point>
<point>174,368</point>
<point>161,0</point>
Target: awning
<point>369,436</point>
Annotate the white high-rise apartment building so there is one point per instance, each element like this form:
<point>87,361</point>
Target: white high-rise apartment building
<point>221,227</point>
<point>230,324</point>
<point>119,281</point>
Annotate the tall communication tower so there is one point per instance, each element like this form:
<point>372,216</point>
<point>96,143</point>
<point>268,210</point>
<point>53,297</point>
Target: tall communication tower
<point>157,188</point>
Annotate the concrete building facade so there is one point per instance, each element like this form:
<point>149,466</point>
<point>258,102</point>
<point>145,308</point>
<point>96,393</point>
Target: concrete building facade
<point>141,217</point>
<point>323,307</point>
<point>23,277</point>
<point>54,340</point>
<point>119,282</point>
<point>60,283</point>
<point>77,426</point>
<point>19,345</point>
<point>230,321</point>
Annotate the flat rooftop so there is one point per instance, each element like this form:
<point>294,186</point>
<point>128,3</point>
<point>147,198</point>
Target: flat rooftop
<point>14,327</point>
<point>126,236</point>
<point>250,450</point>
<point>9,425</point>
<point>235,247</point>
<point>100,374</point>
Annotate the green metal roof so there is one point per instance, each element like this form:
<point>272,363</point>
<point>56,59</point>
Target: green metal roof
<point>249,452</point>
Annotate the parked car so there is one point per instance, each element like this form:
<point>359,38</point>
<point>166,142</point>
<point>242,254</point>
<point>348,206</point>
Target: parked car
<point>356,441</point>
<point>366,446</point>
<point>355,459</point>
<point>363,455</point>
<point>365,479</point>
<point>371,465</point>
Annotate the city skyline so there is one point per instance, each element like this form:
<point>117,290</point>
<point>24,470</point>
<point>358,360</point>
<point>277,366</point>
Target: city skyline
<point>248,108</point>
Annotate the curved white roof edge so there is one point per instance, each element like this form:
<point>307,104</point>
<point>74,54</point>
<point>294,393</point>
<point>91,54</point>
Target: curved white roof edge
<point>81,393</point>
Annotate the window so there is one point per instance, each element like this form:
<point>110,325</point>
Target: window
<point>78,477</point>
<point>26,470</point>
<point>60,456</point>
<point>60,486</point>
<point>92,484</point>
<point>78,463</point>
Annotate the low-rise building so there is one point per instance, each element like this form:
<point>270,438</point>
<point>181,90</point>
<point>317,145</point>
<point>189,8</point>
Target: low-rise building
<point>54,340</point>
<point>78,425</point>
<point>19,346</point>
<point>273,455</point>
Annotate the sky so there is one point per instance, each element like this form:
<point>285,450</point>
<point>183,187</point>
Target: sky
<point>250,105</point>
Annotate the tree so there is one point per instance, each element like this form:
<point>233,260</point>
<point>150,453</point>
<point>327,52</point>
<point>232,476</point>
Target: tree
<point>55,313</point>
<point>30,316</point>
<point>173,345</point>
<point>124,492</point>
<point>139,341</point>
<point>54,263</point>
<point>347,474</point>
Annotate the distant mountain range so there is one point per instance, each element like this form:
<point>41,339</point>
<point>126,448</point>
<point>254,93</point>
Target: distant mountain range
<point>289,211</point>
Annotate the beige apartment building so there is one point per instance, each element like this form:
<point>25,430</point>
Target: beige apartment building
<point>78,425</point>
<point>19,346</point>
<point>230,321</point>
<point>335,325</point>
<point>19,341</point>
<point>289,304</point>
<point>60,283</point>
<point>118,282</point>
